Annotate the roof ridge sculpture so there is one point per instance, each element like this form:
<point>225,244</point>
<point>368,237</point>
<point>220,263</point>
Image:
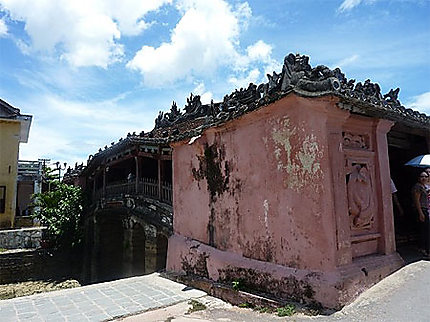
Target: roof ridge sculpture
<point>297,76</point>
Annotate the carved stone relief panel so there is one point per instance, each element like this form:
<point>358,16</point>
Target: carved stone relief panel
<point>128,222</point>
<point>355,141</point>
<point>361,192</point>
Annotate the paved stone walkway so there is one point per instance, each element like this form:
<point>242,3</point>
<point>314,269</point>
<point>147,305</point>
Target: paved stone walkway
<point>98,302</point>
<point>403,296</point>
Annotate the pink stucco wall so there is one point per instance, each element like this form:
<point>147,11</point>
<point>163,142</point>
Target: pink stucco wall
<point>270,187</point>
<point>277,205</point>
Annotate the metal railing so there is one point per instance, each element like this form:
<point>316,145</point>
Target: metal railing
<point>147,187</point>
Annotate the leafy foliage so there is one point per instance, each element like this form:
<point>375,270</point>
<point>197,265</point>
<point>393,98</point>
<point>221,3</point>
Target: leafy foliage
<point>196,306</point>
<point>61,211</point>
<point>287,310</point>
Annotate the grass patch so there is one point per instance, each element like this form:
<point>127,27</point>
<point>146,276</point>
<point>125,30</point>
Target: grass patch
<point>287,310</point>
<point>196,306</point>
<point>3,250</point>
<point>264,309</point>
<point>9,291</point>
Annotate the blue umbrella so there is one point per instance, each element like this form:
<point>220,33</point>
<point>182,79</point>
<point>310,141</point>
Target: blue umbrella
<point>421,161</point>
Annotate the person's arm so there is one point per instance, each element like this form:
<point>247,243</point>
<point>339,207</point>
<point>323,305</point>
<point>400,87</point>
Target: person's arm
<point>397,203</point>
<point>417,205</point>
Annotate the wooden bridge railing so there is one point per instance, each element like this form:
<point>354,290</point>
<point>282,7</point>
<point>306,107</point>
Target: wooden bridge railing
<point>147,187</point>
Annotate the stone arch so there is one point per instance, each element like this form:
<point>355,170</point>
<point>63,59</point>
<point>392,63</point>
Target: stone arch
<point>139,240</point>
<point>161,251</point>
<point>110,247</point>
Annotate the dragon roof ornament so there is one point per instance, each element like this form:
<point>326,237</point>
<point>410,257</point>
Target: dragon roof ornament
<point>297,76</point>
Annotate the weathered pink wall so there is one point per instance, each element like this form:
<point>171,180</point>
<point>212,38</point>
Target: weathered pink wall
<point>278,204</point>
<point>271,187</point>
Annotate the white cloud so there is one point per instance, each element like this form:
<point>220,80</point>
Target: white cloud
<point>205,96</point>
<point>421,103</point>
<point>88,33</point>
<point>206,37</point>
<point>259,51</point>
<point>84,32</point>
<point>3,28</point>
<point>253,76</point>
<point>69,130</point>
<point>348,5</point>
<point>129,14</point>
<point>347,61</point>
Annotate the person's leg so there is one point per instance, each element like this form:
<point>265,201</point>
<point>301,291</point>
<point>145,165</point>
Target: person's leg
<point>422,236</point>
<point>427,232</point>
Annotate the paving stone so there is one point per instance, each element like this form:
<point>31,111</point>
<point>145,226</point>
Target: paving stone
<point>132,307</point>
<point>100,316</point>
<point>35,319</point>
<point>166,301</point>
<point>76,318</point>
<point>8,317</point>
<point>7,310</point>
<point>47,309</point>
<point>116,312</point>
<point>54,317</point>
<point>26,316</point>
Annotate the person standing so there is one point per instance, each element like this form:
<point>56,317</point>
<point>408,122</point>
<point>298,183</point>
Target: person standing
<point>421,204</point>
<point>428,186</point>
<point>396,201</point>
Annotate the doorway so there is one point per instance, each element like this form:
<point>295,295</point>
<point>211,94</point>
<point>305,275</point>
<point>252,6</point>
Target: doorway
<point>403,145</point>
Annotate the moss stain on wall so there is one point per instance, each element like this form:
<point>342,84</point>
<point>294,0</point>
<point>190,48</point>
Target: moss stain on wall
<point>297,154</point>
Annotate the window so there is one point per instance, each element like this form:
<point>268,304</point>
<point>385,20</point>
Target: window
<point>2,199</point>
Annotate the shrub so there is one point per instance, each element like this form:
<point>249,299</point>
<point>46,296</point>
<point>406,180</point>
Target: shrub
<point>287,310</point>
<point>61,211</point>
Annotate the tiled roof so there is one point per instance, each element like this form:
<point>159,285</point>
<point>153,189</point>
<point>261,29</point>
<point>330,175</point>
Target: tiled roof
<point>7,110</point>
<point>297,76</point>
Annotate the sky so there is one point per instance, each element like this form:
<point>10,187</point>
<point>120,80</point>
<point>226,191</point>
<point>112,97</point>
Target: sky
<point>90,71</point>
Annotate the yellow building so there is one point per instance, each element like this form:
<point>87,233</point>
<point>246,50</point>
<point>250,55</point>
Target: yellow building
<point>14,129</point>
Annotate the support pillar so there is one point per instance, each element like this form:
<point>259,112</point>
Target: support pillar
<point>136,161</point>
<point>94,252</point>
<point>159,175</point>
<point>335,121</point>
<point>94,188</point>
<point>128,224</point>
<point>428,141</point>
<point>382,127</point>
<point>150,249</point>
<point>104,181</point>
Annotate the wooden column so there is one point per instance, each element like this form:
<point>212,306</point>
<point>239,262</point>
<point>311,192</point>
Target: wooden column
<point>94,252</point>
<point>104,181</point>
<point>159,172</point>
<point>94,186</point>
<point>136,161</point>
<point>428,141</point>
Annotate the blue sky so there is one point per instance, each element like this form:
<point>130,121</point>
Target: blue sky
<point>90,71</point>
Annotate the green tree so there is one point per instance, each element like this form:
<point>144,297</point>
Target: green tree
<point>61,211</point>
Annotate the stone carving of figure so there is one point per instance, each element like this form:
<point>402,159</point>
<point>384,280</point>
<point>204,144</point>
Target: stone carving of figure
<point>360,197</point>
<point>351,140</point>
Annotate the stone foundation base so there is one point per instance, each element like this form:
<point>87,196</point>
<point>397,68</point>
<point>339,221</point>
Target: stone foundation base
<point>21,238</point>
<point>330,289</point>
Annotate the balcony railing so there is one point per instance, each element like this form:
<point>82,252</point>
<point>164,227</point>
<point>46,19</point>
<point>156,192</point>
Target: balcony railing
<point>147,187</point>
